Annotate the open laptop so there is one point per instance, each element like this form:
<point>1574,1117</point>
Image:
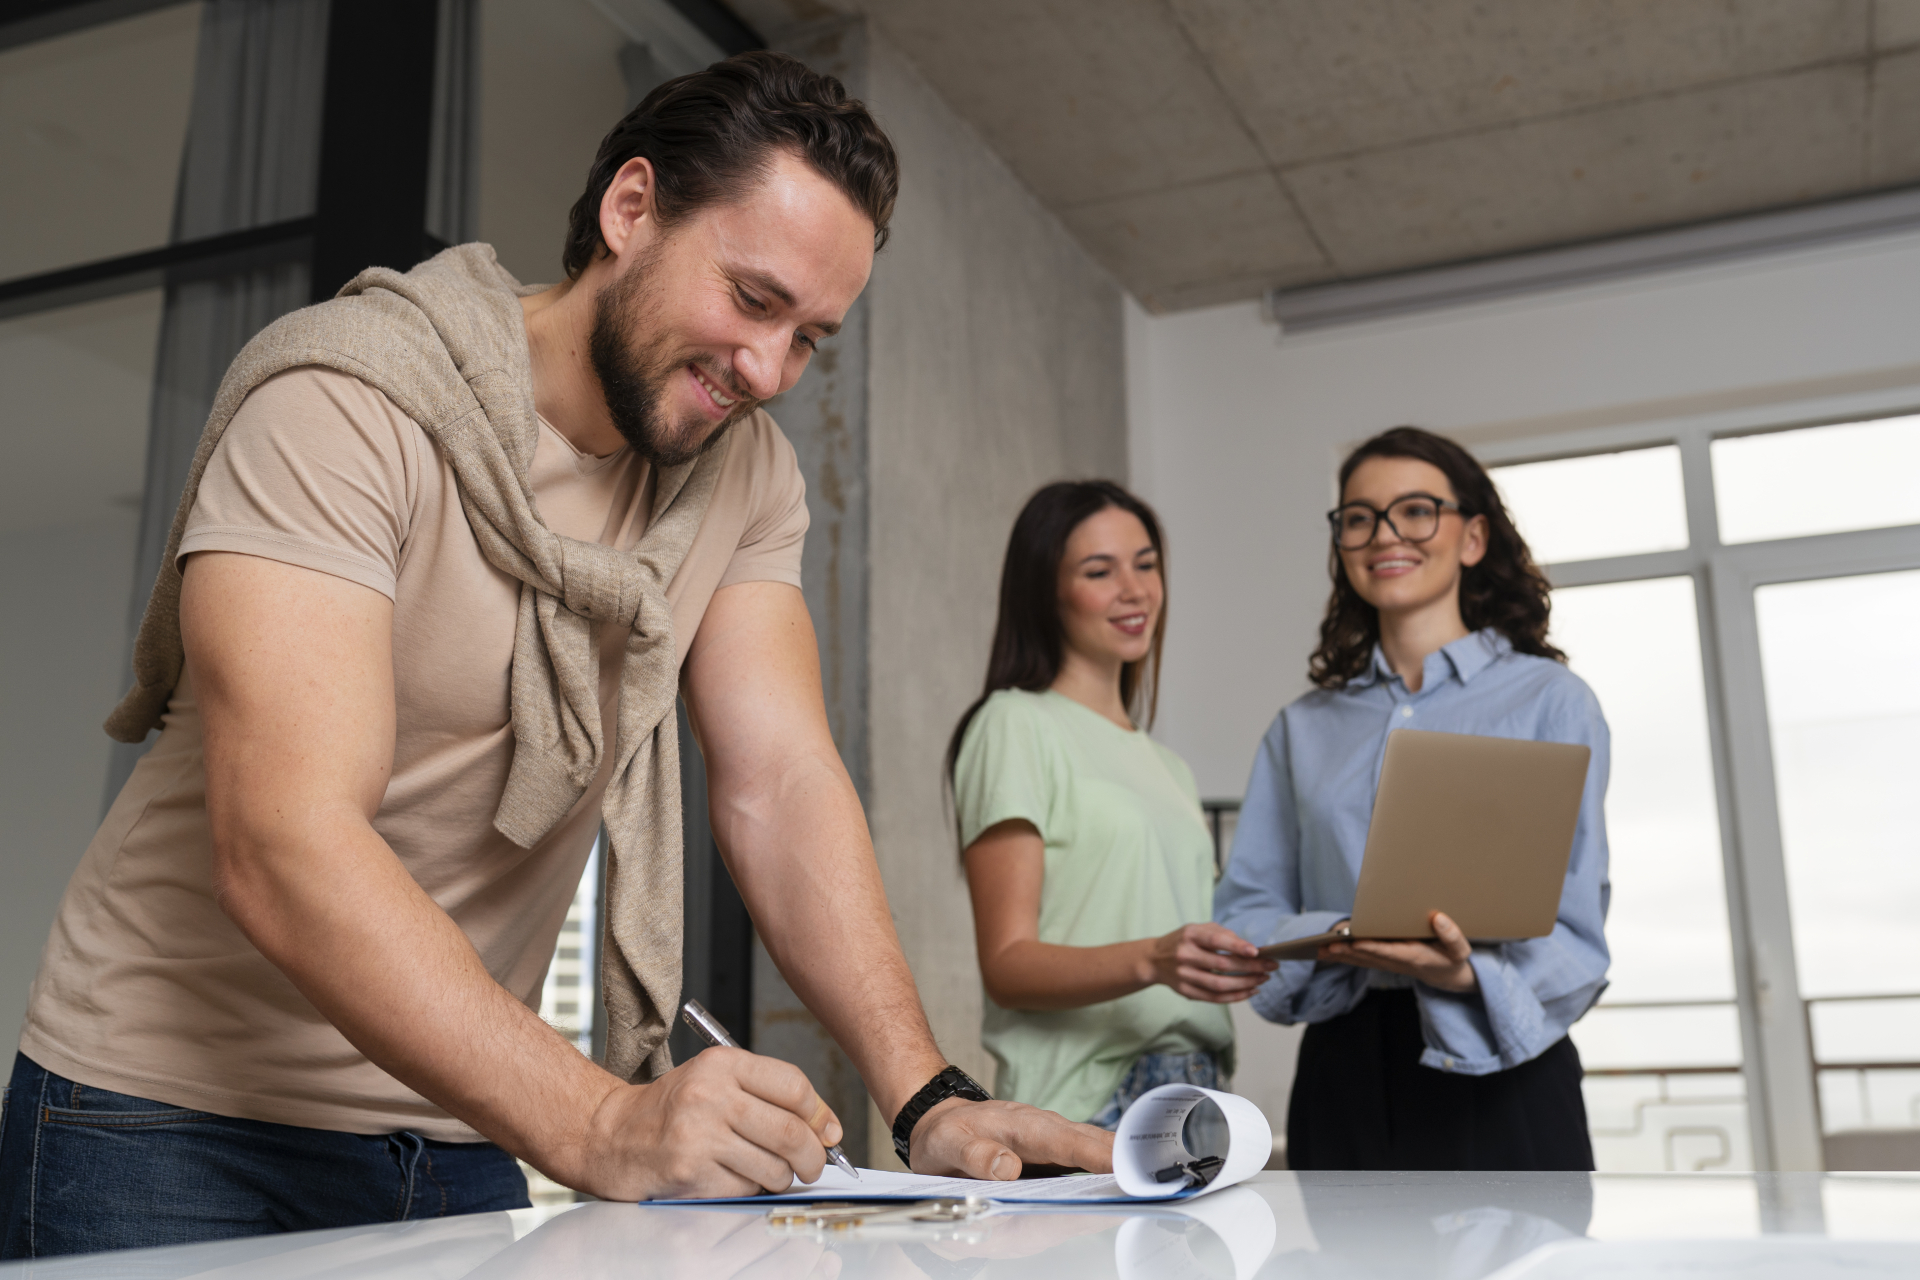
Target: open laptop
<point>1480,828</point>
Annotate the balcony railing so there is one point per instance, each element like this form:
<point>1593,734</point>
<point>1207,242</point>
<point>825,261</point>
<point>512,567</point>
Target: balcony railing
<point>1694,1116</point>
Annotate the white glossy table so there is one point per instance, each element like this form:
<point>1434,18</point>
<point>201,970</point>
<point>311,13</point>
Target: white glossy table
<point>1458,1226</point>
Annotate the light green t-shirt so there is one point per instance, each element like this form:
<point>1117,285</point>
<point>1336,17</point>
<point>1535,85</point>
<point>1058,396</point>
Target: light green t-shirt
<point>1128,855</point>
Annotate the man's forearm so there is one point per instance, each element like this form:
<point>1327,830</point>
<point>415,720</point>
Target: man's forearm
<point>798,846</point>
<point>790,826</point>
<point>402,982</point>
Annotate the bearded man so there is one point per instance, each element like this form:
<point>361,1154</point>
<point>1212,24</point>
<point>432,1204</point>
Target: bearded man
<point>449,547</point>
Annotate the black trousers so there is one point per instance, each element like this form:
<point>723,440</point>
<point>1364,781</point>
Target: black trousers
<point>1361,1100</point>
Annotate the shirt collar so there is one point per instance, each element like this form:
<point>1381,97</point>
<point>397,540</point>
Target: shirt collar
<point>1472,654</point>
<point>1468,657</point>
<point>1376,671</point>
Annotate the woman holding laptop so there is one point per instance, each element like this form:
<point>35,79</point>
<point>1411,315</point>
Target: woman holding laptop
<point>1435,1054</point>
<point>1086,852</point>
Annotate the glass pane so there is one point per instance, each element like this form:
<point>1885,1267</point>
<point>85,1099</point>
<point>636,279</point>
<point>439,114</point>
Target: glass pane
<point>1867,1029</point>
<point>1663,1047</point>
<point>553,80</point>
<point>570,997</point>
<point>78,384</point>
<point>1791,484</point>
<point>1668,1122</point>
<point>1854,1098</point>
<point>92,126</point>
<point>1620,1036</point>
<point>1638,645</point>
<point>1605,504</point>
<point>567,1002</point>
<point>1845,717</point>
<point>550,88</point>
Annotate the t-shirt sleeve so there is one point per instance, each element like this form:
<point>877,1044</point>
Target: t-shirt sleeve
<point>316,469</point>
<point>776,527</point>
<point>1007,769</point>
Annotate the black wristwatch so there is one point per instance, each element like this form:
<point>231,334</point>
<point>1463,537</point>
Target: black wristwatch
<point>950,1083</point>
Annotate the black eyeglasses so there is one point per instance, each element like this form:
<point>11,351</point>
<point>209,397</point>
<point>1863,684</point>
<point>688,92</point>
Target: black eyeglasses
<point>1415,518</point>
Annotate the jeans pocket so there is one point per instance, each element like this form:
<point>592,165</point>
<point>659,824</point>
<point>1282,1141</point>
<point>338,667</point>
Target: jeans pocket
<point>104,1109</point>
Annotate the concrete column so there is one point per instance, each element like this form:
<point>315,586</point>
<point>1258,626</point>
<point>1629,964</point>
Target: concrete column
<point>986,358</point>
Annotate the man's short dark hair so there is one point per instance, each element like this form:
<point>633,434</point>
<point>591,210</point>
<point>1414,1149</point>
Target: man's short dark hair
<point>714,133</point>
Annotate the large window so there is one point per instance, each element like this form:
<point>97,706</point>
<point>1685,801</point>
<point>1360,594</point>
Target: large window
<point>1742,604</point>
<point>165,195</point>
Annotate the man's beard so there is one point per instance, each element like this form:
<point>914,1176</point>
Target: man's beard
<point>634,380</point>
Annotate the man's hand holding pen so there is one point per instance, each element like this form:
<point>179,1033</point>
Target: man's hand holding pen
<point>725,1123</point>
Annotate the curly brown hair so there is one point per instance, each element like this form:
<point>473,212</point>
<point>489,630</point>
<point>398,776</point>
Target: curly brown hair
<point>1505,591</point>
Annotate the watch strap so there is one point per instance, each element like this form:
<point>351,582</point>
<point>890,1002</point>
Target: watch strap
<point>952,1082</point>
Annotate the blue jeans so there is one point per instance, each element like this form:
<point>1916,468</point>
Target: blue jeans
<point>84,1169</point>
<point>1150,1071</point>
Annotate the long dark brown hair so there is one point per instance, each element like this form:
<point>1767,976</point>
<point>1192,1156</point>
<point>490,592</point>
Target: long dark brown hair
<point>1028,639</point>
<point>1505,591</point>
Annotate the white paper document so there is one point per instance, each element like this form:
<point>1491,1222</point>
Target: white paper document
<point>1150,1162</point>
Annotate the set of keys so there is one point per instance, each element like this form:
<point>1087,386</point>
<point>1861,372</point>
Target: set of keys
<point>846,1217</point>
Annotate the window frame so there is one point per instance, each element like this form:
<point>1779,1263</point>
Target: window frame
<point>375,126</point>
<point>1776,1041</point>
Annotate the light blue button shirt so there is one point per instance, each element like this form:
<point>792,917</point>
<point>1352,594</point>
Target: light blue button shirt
<point>1303,827</point>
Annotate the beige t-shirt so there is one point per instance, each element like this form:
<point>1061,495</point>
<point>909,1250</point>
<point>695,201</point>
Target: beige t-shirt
<point>145,986</point>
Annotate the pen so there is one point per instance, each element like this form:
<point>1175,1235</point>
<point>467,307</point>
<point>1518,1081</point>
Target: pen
<point>713,1033</point>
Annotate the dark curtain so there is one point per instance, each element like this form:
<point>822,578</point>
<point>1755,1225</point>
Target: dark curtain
<point>252,159</point>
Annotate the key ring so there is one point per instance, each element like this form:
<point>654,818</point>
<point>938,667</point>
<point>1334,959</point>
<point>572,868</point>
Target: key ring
<point>845,1216</point>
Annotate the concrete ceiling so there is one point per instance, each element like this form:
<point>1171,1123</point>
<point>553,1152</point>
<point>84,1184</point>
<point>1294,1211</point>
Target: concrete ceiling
<point>1206,150</point>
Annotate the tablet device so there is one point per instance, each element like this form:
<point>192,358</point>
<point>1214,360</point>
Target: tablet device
<point>1480,828</point>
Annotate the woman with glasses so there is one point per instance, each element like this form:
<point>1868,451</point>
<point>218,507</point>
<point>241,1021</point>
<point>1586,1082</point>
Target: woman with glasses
<point>1089,861</point>
<point>1436,1054</point>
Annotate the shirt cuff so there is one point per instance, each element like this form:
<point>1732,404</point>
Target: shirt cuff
<point>1496,1026</point>
<point>1305,925</point>
<point>1299,991</point>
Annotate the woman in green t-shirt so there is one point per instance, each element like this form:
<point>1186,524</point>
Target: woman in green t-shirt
<point>1088,858</point>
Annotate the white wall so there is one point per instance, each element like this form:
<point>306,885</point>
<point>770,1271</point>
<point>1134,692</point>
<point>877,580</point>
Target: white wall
<point>1237,430</point>
<point>997,366</point>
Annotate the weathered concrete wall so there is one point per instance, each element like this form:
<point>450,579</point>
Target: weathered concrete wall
<point>997,365</point>
<point>825,417</point>
<point>985,359</point>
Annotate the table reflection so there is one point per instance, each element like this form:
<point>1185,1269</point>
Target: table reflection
<point>731,1244</point>
<point>437,1249</point>
<point>1281,1226</point>
<point>1453,1227</point>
